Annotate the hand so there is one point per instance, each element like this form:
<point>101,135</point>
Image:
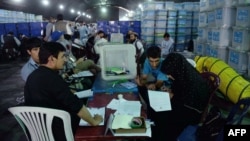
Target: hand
<point>138,81</point>
<point>151,87</point>
<point>166,89</point>
<point>98,119</point>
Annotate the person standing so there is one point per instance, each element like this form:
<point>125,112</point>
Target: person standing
<point>49,29</point>
<point>167,45</point>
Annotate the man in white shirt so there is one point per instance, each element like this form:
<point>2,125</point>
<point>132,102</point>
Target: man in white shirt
<point>167,45</point>
<point>49,29</point>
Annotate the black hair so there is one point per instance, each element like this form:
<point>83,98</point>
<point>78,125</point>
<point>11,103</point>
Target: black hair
<point>166,35</point>
<point>48,49</point>
<point>154,52</point>
<point>100,31</point>
<point>59,17</point>
<point>33,43</point>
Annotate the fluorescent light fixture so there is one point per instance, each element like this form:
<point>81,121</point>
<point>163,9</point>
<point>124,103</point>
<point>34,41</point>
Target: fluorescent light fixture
<point>104,9</point>
<point>18,1</point>
<point>45,2</point>
<point>72,11</point>
<point>61,7</point>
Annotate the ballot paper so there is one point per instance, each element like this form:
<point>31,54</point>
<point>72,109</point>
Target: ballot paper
<point>84,94</point>
<point>93,111</point>
<point>159,101</point>
<point>83,74</point>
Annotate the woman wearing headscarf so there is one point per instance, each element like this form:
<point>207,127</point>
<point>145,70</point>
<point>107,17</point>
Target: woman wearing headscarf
<point>189,94</point>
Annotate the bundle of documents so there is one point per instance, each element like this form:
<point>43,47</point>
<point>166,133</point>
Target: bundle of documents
<point>93,111</point>
<point>83,74</point>
<point>84,94</point>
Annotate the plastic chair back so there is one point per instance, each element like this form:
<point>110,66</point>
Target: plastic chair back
<point>213,81</point>
<point>38,121</point>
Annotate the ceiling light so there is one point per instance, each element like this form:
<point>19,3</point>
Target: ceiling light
<point>45,2</point>
<point>61,7</point>
<point>103,9</point>
<point>72,11</point>
<point>79,13</point>
<point>17,1</point>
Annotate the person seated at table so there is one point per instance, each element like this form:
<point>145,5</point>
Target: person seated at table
<point>32,46</point>
<point>152,77</point>
<point>189,95</point>
<point>45,88</point>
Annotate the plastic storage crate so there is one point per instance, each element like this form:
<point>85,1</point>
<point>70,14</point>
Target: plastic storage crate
<point>241,38</point>
<point>221,36</point>
<point>147,31</point>
<point>226,3</point>
<point>160,23</point>
<point>203,19</point>
<point>211,18</point>
<point>171,22</point>
<point>118,62</point>
<point>209,35</point>
<point>238,60</point>
<point>200,49</point>
<point>160,30</point>
<point>243,2</point>
<point>204,5</point>
<point>148,23</point>
<point>202,34</point>
<point>243,16</point>
<point>220,52</point>
<point>225,16</point>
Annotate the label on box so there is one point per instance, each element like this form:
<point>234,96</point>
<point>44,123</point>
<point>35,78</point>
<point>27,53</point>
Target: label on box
<point>238,36</point>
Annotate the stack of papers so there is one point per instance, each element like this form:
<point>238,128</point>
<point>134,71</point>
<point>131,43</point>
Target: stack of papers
<point>83,74</point>
<point>93,111</point>
<point>84,94</point>
<point>124,107</point>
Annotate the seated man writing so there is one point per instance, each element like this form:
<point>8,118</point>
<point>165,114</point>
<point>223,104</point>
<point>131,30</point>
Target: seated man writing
<point>46,88</point>
<point>151,76</point>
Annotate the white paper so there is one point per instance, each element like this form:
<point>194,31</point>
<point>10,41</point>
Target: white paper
<point>122,121</point>
<point>83,74</point>
<point>113,104</point>
<point>85,93</point>
<point>159,101</point>
<point>132,108</point>
<point>125,107</point>
<point>93,111</point>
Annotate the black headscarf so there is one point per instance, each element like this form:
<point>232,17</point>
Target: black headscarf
<point>188,87</point>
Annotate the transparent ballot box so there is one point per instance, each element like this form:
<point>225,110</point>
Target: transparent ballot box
<point>118,61</point>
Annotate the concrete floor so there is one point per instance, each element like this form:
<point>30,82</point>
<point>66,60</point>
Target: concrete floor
<point>11,92</point>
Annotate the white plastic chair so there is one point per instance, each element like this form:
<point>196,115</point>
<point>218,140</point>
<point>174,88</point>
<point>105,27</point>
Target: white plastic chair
<point>38,121</point>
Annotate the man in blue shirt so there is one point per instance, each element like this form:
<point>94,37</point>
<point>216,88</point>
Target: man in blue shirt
<point>33,46</point>
<point>151,68</point>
